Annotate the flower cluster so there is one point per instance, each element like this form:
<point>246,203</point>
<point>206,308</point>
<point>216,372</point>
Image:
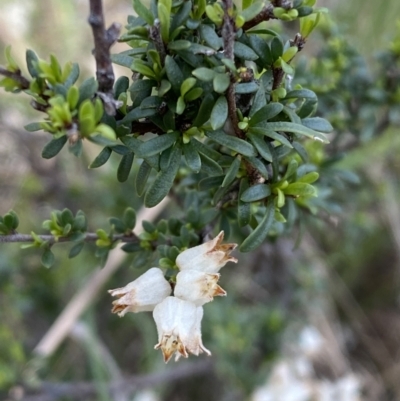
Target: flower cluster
<point>178,317</point>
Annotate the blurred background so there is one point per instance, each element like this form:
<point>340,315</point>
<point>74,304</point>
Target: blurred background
<point>314,316</point>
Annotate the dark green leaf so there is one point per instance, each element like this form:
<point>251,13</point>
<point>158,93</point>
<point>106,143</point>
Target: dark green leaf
<point>265,113</point>
<point>221,82</point>
<point>122,59</point>
<point>129,218</point>
<point>209,166</point>
<point>256,238</point>
<point>205,111</point>
<point>87,90</point>
<point>211,182</point>
<point>258,102</point>
<point>73,76</point>
<point>231,142</point>
<point>143,12</point>
<point>157,145</point>
<point>205,149</point>
<point>271,134</point>
<point>219,113</point>
<point>31,60</point>
<point>32,127</point>
<point>141,89</point>
<point>276,48</point>
<point>301,94</point>
<point>231,173</point>
<point>209,35</point>
<point>244,52</point>
<point>192,157</point>
<point>263,51</point>
<point>76,250</point>
<point>256,193</point>
<point>318,124</point>
<point>52,148</point>
<point>163,182</point>
<point>244,211</point>
<point>47,258</point>
<point>301,151</point>
<point>258,165</point>
<point>121,86</point>
<point>247,87</point>
<point>259,142</point>
<point>174,73</point>
<point>296,129</point>
<point>181,16</point>
<point>124,167</point>
<point>137,114</point>
<point>102,158</point>
<point>142,177</point>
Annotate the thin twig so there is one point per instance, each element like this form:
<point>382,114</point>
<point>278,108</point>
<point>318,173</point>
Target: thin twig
<point>49,391</point>
<point>86,295</point>
<point>265,14</point>
<point>103,40</point>
<point>51,239</point>
<point>16,76</point>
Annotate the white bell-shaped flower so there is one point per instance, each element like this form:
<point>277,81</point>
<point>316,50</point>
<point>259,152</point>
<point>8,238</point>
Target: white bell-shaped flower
<point>208,257</point>
<point>143,294</point>
<point>179,328</point>
<point>197,287</point>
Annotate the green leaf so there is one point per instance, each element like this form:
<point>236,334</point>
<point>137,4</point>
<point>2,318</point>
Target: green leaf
<point>124,167</point>
<point>143,12</point>
<point>142,68</point>
<point>271,134</point>
<point>276,48</point>
<point>309,178</point>
<point>140,90</point>
<point>31,62</point>
<point>205,110</point>
<point>129,218</point>
<point>244,211</point>
<point>210,182</point>
<point>209,35</point>
<point>300,189</point>
<point>262,49</point>
<point>247,87</point>
<point>187,84</point>
<point>174,73</point>
<point>142,177</point>
<point>52,148</point>
<point>177,45</point>
<point>164,15</point>
<point>76,250</point>
<point>231,173</point>
<point>192,157</point>
<point>244,52</point>
<point>204,74</point>
<point>317,124</point>
<point>258,165</point>
<point>157,145</point>
<point>47,258</point>
<point>297,129</point>
<point>87,90</point>
<point>258,102</point>
<point>137,114</point>
<point>122,59</point>
<point>164,180</point>
<point>265,113</point>
<point>256,238</point>
<point>221,82</point>
<point>256,193</point>
<point>193,94</point>
<point>301,151</point>
<point>259,142</point>
<point>231,142</point>
<point>32,127</point>
<point>219,113</point>
<point>253,10</point>
<point>165,86</point>
<point>181,16</point>
<point>209,166</point>
<point>301,94</point>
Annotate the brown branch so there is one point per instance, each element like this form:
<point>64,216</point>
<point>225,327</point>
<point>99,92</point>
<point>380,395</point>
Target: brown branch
<point>17,77</point>
<point>265,14</point>
<point>48,391</point>
<point>51,239</point>
<point>103,40</point>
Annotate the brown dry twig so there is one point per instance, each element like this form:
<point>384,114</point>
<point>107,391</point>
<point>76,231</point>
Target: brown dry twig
<point>103,40</point>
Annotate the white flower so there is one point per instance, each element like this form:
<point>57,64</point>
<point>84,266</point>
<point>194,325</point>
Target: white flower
<point>208,257</point>
<point>197,287</point>
<point>141,295</point>
<point>179,328</point>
